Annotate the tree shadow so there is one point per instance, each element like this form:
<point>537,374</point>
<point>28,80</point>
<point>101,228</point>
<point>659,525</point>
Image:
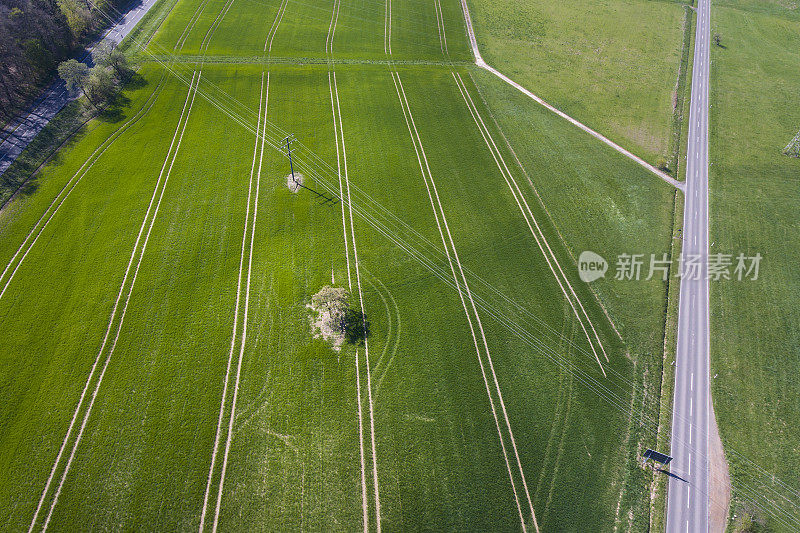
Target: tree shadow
<point>134,80</point>
<point>355,326</point>
<point>115,110</point>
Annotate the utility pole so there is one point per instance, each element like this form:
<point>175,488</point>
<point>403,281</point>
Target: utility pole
<point>288,140</point>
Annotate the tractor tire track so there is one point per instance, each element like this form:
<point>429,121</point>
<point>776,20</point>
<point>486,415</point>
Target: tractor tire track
<point>439,214</point>
<point>530,220</point>
<point>66,190</point>
<point>160,186</point>
<point>344,189</point>
<point>258,153</point>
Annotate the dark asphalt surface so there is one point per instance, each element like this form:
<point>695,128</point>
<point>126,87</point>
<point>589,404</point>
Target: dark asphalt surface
<point>688,502</point>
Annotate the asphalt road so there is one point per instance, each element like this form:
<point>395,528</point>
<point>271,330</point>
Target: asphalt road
<point>688,503</point>
<point>18,134</point>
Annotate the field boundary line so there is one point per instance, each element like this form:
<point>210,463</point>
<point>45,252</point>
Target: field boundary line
<point>420,156</point>
<point>538,234</point>
<point>479,61</point>
<point>162,187</point>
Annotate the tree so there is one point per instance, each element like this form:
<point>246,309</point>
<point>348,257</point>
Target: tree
<point>330,299</point>
<point>330,305</point>
<point>108,55</point>
<point>74,74</point>
<point>662,164</point>
<point>717,39</point>
<point>38,56</point>
<point>35,35</point>
<point>78,15</point>
<point>100,86</point>
<point>96,83</point>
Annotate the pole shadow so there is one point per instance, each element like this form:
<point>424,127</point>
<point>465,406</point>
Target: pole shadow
<point>670,474</point>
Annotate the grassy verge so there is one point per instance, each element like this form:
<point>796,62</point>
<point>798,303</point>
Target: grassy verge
<point>681,93</point>
<point>755,346</point>
<point>659,484</point>
<point>619,83</point>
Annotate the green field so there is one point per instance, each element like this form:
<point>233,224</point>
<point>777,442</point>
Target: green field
<point>173,276</point>
<point>612,65</point>
<point>755,346</point>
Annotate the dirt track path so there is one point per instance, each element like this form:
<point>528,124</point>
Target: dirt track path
<point>482,64</point>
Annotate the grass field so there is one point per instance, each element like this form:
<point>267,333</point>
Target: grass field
<point>163,374</point>
<point>755,347</point>
<point>576,56</point>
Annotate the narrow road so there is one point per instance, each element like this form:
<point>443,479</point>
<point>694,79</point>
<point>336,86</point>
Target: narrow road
<point>19,133</point>
<point>688,503</point>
